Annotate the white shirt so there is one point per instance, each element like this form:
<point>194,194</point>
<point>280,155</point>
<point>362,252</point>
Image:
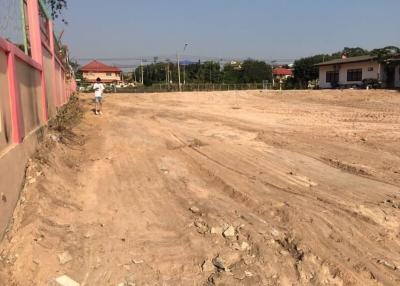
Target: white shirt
<point>98,89</point>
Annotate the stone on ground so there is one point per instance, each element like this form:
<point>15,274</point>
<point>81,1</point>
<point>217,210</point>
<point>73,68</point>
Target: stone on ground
<point>64,280</point>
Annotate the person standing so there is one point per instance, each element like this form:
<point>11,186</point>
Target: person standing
<point>98,95</point>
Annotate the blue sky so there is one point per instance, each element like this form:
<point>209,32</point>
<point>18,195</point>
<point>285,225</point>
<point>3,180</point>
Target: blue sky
<point>263,29</point>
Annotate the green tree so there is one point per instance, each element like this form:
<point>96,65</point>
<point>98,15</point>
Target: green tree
<point>231,74</point>
<point>305,69</point>
<point>350,52</point>
<point>255,71</point>
<point>385,52</point>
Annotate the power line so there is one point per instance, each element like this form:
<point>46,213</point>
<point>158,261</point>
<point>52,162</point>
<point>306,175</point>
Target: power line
<point>150,59</point>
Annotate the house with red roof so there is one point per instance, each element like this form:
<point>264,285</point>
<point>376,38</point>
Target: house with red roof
<point>282,73</point>
<point>96,69</point>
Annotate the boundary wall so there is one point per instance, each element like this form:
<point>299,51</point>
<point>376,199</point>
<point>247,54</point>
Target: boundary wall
<point>34,84</point>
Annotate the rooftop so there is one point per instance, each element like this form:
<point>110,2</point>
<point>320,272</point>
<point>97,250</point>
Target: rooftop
<point>282,71</point>
<point>96,66</point>
<point>348,60</point>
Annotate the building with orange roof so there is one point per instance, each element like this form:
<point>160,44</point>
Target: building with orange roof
<point>96,69</point>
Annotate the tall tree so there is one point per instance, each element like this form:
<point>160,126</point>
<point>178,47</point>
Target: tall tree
<point>231,74</point>
<point>305,69</point>
<point>255,71</point>
<point>350,52</point>
<point>386,52</point>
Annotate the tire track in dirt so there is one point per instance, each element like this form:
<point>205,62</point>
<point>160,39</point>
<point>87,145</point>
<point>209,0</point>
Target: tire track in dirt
<point>146,162</point>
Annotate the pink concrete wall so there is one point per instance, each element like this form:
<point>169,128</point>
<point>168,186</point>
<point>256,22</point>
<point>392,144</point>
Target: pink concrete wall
<point>31,90</point>
<point>48,70</point>
<point>57,84</point>
<point>5,117</point>
<point>30,96</point>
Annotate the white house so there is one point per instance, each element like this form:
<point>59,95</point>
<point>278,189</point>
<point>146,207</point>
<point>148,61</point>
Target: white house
<point>352,71</point>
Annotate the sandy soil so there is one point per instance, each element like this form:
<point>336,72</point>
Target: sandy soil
<point>304,185</point>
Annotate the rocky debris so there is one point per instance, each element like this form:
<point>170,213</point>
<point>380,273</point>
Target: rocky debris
<point>226,261</point>
<point>290,246</point>
<point>216,230</point>
<point>229,232</point>
<point>231,258</point>
<point>64,280</point>
<point>243,275</point>
<point>88,234</point>
<point>164,170</point>
<point>248,260</point>
<point>129,281</point>
<point>137,261</point>
<point>195,143</point>
<point>207,266</point>
<point>126,284</point>
<point>194,210</point>
<point>391,203</point>
<point>387,264</point>
<point>64,257</point>
<point>201,226</point>
<point>236,246</point>
<point>275,233</point>
<point>54,137</point>
<point>248,274</point>
<point>219,263</point>
<point>244,246</point>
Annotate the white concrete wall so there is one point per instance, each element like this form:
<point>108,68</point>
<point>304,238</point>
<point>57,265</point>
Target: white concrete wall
<point>105,76</point>
<point>375,73</point>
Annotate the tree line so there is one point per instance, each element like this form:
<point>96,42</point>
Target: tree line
<point>248,71</point>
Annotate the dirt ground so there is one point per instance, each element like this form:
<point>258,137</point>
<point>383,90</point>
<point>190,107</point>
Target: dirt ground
<point>221,188</point>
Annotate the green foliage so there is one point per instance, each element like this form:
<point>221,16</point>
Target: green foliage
<point>255,71</point>
<point>350,52</point>
<point>385,52</point>
<point>250,71</point>
<point>305,69</point>
<point>56,7</point>
<point>77,71</point>
<point>231,74</point>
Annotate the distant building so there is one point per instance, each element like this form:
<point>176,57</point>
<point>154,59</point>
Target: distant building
<point>348,72</point>
<point>281,73</point>
<point>96,69</point>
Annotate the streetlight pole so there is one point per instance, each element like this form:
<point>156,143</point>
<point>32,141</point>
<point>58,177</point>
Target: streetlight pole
<point>179,68</point>
<point>272,73</point>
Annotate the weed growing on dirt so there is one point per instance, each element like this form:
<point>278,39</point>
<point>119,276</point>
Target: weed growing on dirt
<point>60,129</point>
<point>67,117</point>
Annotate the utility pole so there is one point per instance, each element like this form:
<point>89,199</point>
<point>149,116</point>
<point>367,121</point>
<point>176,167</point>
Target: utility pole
<point>141,68</point>
<point>179,72</point>
<point>184,75</point>
<point>272,73</point>
<point>179,68</point>
<point>166,73</point>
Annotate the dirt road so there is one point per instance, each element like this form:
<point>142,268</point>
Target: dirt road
<point>232,188</point>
